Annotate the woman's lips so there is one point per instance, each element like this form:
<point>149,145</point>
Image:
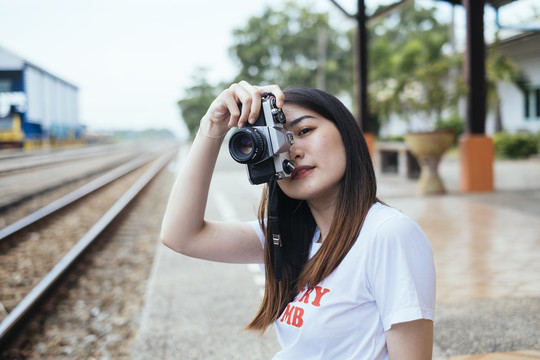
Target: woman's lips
<point>301,172</point>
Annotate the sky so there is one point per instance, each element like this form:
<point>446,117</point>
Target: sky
<point>131,60</point>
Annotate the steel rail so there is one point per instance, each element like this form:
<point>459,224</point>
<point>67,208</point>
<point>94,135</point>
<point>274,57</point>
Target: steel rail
<point>26,161</point>
<point>15,317</point>
<point>74,196</point>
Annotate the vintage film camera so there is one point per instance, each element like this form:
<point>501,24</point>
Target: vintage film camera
<point>264,145</point>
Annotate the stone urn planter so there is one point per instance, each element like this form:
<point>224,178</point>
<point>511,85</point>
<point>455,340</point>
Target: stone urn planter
<point>428,148</point>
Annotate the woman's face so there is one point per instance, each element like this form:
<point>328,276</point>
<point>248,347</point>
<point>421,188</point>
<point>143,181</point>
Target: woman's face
<point>318,154</point>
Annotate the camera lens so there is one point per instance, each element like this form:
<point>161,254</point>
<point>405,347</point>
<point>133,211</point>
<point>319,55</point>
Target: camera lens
<point>247,146</point>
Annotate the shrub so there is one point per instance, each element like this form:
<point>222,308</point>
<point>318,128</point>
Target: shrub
<point>515,146</point>
<point>394,138</point>
<point>454,123</point>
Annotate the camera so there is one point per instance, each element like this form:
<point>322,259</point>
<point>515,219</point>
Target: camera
<point>264,146</point>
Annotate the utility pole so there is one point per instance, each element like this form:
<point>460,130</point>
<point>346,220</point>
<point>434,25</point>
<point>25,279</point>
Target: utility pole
<point>362,66</point>
<point>360,62</point>
<point>322,36</point>
<point>361,54</point>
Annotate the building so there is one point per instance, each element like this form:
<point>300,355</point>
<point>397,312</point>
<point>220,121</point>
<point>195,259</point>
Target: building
<point>35,105</point>
<point>519,111</point>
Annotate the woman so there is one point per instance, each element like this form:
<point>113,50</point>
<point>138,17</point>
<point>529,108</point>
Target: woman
<point>358,280</point>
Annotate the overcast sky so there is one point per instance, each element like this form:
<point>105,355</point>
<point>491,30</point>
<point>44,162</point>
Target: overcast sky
<point>132,59</point>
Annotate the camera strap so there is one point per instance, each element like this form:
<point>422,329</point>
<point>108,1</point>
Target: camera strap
<point>274,225</point>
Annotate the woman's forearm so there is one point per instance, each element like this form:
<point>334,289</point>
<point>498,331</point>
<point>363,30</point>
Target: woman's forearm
<point>184,217</point>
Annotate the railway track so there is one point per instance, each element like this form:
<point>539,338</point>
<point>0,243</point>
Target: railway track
<point>16,161</point>
<point>41,248</point>
<point>25,176</point>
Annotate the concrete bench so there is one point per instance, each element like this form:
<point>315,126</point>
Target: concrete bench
<point>395,157</point>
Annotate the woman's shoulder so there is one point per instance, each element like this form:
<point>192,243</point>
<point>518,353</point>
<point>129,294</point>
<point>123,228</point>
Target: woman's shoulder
<point>380,214</point>
<point>385,221</point>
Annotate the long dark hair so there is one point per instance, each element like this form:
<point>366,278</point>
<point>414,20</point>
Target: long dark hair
<point>297,225</point>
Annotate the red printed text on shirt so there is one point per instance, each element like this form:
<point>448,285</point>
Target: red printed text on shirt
<point>293,315</point>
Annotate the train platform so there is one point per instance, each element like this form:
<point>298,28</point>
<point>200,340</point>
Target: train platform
<point>487,256</point>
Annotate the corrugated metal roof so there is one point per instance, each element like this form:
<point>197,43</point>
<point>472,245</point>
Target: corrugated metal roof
<point>11,61</point>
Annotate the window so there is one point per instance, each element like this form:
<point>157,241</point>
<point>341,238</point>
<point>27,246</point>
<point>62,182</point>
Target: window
<point>532,104</point>
<point>537,102</point>
<point>6,123</point>
<point>5,85</point>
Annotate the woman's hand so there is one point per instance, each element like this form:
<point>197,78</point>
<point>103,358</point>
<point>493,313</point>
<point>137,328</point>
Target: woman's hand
<point>224,113</point>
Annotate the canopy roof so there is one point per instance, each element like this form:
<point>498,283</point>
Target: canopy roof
<point>495,3</point>
<point>384,10</point>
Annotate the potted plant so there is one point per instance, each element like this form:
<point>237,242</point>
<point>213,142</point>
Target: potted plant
<point>423,102</point>
<point>413,78</point>
<point>437,93</point>
<point>428,143</point>
<point>428,148</point>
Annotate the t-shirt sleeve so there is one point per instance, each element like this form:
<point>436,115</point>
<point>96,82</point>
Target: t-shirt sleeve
<point>257,227</point>
<point>401,272</point>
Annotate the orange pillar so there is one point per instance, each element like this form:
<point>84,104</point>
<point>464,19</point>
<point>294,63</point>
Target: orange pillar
<point>370,140</point>
<point>476,157</point>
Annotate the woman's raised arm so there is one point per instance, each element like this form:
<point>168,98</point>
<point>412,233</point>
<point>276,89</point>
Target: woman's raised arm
<point>184,228</point>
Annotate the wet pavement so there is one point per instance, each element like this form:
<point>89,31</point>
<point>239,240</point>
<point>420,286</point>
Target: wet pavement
<point>487,254</point>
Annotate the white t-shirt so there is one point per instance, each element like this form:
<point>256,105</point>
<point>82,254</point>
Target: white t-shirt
<point>387,277</point>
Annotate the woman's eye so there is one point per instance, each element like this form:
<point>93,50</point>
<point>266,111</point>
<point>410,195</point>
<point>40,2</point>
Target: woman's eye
<point>304,131</point>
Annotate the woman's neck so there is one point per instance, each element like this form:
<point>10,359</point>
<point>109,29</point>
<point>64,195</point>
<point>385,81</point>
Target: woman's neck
<point>323,214</point>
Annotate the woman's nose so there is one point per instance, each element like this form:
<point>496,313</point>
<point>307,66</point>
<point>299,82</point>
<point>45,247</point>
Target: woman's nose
<point>296,152</point>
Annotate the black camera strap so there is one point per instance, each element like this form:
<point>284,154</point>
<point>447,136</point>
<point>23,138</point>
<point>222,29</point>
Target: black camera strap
<point>274,225</point>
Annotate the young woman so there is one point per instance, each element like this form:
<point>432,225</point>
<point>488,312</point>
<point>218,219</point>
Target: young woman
<point>358,280</point>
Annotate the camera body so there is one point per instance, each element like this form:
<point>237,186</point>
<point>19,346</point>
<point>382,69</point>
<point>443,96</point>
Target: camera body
<point>264,146</point>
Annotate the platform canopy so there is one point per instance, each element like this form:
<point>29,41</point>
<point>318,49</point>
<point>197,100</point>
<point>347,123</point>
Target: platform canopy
<point>474,61</point>
<point>475,56</point>
<point>495,3</point>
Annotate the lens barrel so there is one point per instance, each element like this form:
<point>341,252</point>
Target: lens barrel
<point>247,146</point>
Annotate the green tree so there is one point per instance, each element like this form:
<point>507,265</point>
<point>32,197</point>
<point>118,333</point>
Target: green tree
<point>196,101</point>
<point>294,46</point>
<point>408,68</point>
